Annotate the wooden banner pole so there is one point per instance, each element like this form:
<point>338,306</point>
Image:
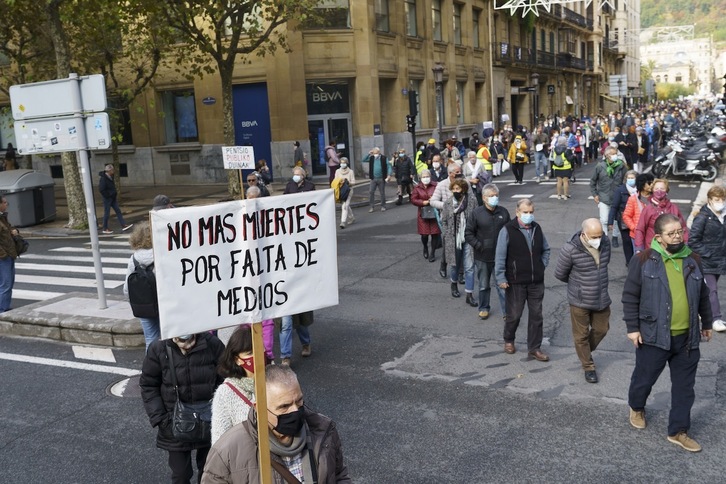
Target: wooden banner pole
<point>241,186</point>
<point>263,432</point>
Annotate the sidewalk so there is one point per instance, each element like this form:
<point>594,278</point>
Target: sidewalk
<point>75,317</point>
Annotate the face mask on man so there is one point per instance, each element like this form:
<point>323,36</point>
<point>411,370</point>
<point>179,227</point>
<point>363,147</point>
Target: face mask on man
<point>289,424</point>
<point>437,165</point>
<point>493,201</point>
<point>527,218</point>
<point>297,178</point>
<point>594,242</point>
<point>401,155</point>
<point>717,206</point>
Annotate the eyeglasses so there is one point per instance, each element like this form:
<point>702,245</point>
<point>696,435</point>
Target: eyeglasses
<point>674,233</point>
<point>254,180</point>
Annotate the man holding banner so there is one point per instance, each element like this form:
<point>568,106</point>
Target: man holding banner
<point>303,444</point>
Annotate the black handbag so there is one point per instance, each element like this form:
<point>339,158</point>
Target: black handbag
<point>21,245</point>
<point>191,422</point>
<point>427,212</point>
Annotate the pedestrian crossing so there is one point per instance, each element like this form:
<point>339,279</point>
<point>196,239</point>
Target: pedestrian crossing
<point>69,268</point>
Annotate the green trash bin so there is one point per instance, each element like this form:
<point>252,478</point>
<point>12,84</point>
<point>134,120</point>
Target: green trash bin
<point>30,195</point>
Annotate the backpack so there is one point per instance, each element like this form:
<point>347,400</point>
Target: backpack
<point>141,285</point>
<point>559,155</point>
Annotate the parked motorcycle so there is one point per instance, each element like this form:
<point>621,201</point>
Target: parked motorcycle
<point>717,141</point>
<point>674,161</point>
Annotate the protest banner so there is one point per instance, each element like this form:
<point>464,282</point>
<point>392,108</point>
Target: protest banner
<point>238,157</point>
<point>244,261</point>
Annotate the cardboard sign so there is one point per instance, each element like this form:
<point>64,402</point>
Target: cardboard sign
<point>238,157</point>
<point>244,261</point>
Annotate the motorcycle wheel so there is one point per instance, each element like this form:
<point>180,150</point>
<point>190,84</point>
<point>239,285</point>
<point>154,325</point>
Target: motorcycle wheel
<point>712,173</point>
<point>658,170</point>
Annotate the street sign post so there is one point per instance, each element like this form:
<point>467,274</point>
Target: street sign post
<point>66,115</point>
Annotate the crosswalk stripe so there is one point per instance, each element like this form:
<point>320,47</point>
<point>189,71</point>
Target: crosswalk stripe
<point>66,268</point>
<point>86,250</point>
<point>71,258</point>
<point>65,281</point>
<point>34,295</point>
<point>110,242</point>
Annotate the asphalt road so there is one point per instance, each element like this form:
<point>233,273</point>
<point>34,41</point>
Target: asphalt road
<point>419,386</point>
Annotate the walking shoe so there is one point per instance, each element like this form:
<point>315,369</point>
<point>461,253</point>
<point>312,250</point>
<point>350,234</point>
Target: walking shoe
<point>483,314</point>
<point>509,348</point>
<point>127,227</point>
<point>306,351</point>
<point>470,300</point>
<point>383,209</point>
<point>682,439</point>
<point>539,355</point>
<point>455,290</point>
<point>342,226</point>
<point>591,376</point>
<point>616,244</point>
<point>285,362</point>
<point>370,210</point>
<point>719,325</point>
<point>637,419</point>
<point>107,232</point>
<point>351,221</point>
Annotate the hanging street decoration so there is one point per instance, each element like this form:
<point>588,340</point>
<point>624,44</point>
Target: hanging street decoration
<point>533,6</point>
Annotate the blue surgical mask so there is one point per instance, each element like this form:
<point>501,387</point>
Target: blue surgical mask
<point>630,182</point>
<point>296,178</point>
<point>527,218</point>
<point>401,155</point>
<point>493,201</point>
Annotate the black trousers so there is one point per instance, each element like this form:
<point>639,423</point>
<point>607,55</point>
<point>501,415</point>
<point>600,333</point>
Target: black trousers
<point>649,364</point>
<point>518,171</point>
<point>515,296</point>
<point>180,464</point>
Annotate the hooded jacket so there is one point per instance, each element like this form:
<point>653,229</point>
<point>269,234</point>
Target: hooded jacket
<point>106,186</point>
<point>587,282</point>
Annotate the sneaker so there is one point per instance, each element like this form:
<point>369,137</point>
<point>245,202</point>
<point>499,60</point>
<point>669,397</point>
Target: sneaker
<point>719,325</point>
<point>383,209</point>
<point>370,210</point>
<point>107,232</point>
<point>637,419</point>
<point>682,439</point>
<point>342,226</point>
<point>483,314</point>
<point>124,229</point>
<point>306,351</point>
<point>351,221</point>
<point>285,362</point>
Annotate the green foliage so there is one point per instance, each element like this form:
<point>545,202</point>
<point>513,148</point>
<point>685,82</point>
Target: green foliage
<point>706,15</point>
<point>667,90</point>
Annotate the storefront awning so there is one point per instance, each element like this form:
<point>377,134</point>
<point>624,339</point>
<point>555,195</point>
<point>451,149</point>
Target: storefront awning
<point>611,99</point>
<point>568,99</point>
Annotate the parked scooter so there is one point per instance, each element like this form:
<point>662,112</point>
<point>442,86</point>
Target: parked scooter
<point>717,141</point>
<point>674,161</point>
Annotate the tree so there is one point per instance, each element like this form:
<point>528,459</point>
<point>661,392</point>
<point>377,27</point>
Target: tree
<point>220,31</point>
<point>669,90</point>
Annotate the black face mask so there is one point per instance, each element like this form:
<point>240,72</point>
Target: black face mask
<point>674,248</point>
<point>458,195</point>
<point>290,423</point>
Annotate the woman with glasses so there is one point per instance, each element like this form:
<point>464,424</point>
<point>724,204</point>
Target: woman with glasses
<point>659,203</point>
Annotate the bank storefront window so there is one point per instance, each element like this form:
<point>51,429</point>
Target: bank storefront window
<point>180,116</point>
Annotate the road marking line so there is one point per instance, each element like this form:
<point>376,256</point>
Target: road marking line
<point>77,258</point>
<point>87,250</point>
<point>65,281</point>
<point>523,195</point>
<point>110,242</point>
<point>69,364</point>
<point>34,295</point>
<point>62,268</point>
<point>676,200</point>
<point>97,354</point>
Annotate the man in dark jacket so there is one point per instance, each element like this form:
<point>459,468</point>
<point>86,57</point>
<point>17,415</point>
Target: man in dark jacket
<point>404,170</point>
<point>107,187</point>
<point>298,183</point>
<point>481,233</point>
<point>377,173</point>
<point>195,359</point>
<point>520,260</point>
<point>303,442</point>
<point>663,297</point>
<point>583,265</point>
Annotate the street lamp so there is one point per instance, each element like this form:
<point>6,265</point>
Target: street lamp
<point>438,70</point>
<point>640,92</point>
<point>620,95</point>
<point>535,83</point>
<point>588,85</point>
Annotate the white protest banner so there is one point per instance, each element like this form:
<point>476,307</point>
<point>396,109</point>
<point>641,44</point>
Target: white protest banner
<point>238,157</point>
<point>244,261</point>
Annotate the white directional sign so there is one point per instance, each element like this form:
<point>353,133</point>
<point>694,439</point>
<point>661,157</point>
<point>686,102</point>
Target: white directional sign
<point>618,85</point>
<point>57,97</point>
<point>54,135</point>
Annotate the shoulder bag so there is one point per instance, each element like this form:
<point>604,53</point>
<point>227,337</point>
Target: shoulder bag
<point>21,245</point>
<point>191,422</point>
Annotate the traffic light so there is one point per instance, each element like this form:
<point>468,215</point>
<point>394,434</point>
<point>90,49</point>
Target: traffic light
<point>410,123</point>
<point>413,103</point>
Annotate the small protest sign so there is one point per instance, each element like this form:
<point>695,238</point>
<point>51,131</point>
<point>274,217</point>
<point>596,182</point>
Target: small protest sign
<point>238,157</point>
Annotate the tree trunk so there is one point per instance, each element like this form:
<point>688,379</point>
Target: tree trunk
<point>71,175</point>
<point>233,183</point>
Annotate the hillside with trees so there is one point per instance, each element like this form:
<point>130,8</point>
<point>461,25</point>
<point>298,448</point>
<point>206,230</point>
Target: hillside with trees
<point>707,16</point>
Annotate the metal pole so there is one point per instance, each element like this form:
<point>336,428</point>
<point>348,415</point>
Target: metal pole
<point>88,193</point>
<point>439,107</point>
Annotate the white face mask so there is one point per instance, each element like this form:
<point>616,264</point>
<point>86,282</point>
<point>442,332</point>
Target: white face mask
<point>717,206</point>
<point>437,165</point>
<point>344,165</point>
<point>426,180</point>
<point>594,243</point>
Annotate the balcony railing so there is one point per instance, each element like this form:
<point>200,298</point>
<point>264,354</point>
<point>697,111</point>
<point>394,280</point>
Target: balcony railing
<point>609,44</point>
<point>566,60</point>
<point>503,53</point>
<point>546,59</point>
<point>590,23</point>
<point>574,17</point>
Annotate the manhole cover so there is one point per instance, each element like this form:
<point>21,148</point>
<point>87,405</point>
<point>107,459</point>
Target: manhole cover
<point>128,387</point>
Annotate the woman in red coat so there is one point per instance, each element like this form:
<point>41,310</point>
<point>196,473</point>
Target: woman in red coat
<point>426,226</point>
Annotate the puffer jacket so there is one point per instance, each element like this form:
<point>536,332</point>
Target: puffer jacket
<point>587,282</point>
<point>708,239</point>
<point>647,302</point>
<point>196,374</point>
<point>234,458</point>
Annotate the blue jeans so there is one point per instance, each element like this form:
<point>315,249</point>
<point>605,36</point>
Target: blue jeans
<point>152,330</point>
<point>7,280</point>
<point>540,163</point>
<point>109,203</point>
<point>485,271</point>
<point>463,256</point>
<point>286,336</point>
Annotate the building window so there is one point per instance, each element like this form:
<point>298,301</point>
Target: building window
<point>411,28</point>
<point>457,23</point>
<point>543,40</point>
<point>436,19</point>
<point>180,164</point>
<point>679,77</point>
<point>460,101</point>
<point>382,24</point>
<point>180,116</point>
<point>476,14</point>
<point>657,78</point>
<point>332,14</point>
<point>552,42</point>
